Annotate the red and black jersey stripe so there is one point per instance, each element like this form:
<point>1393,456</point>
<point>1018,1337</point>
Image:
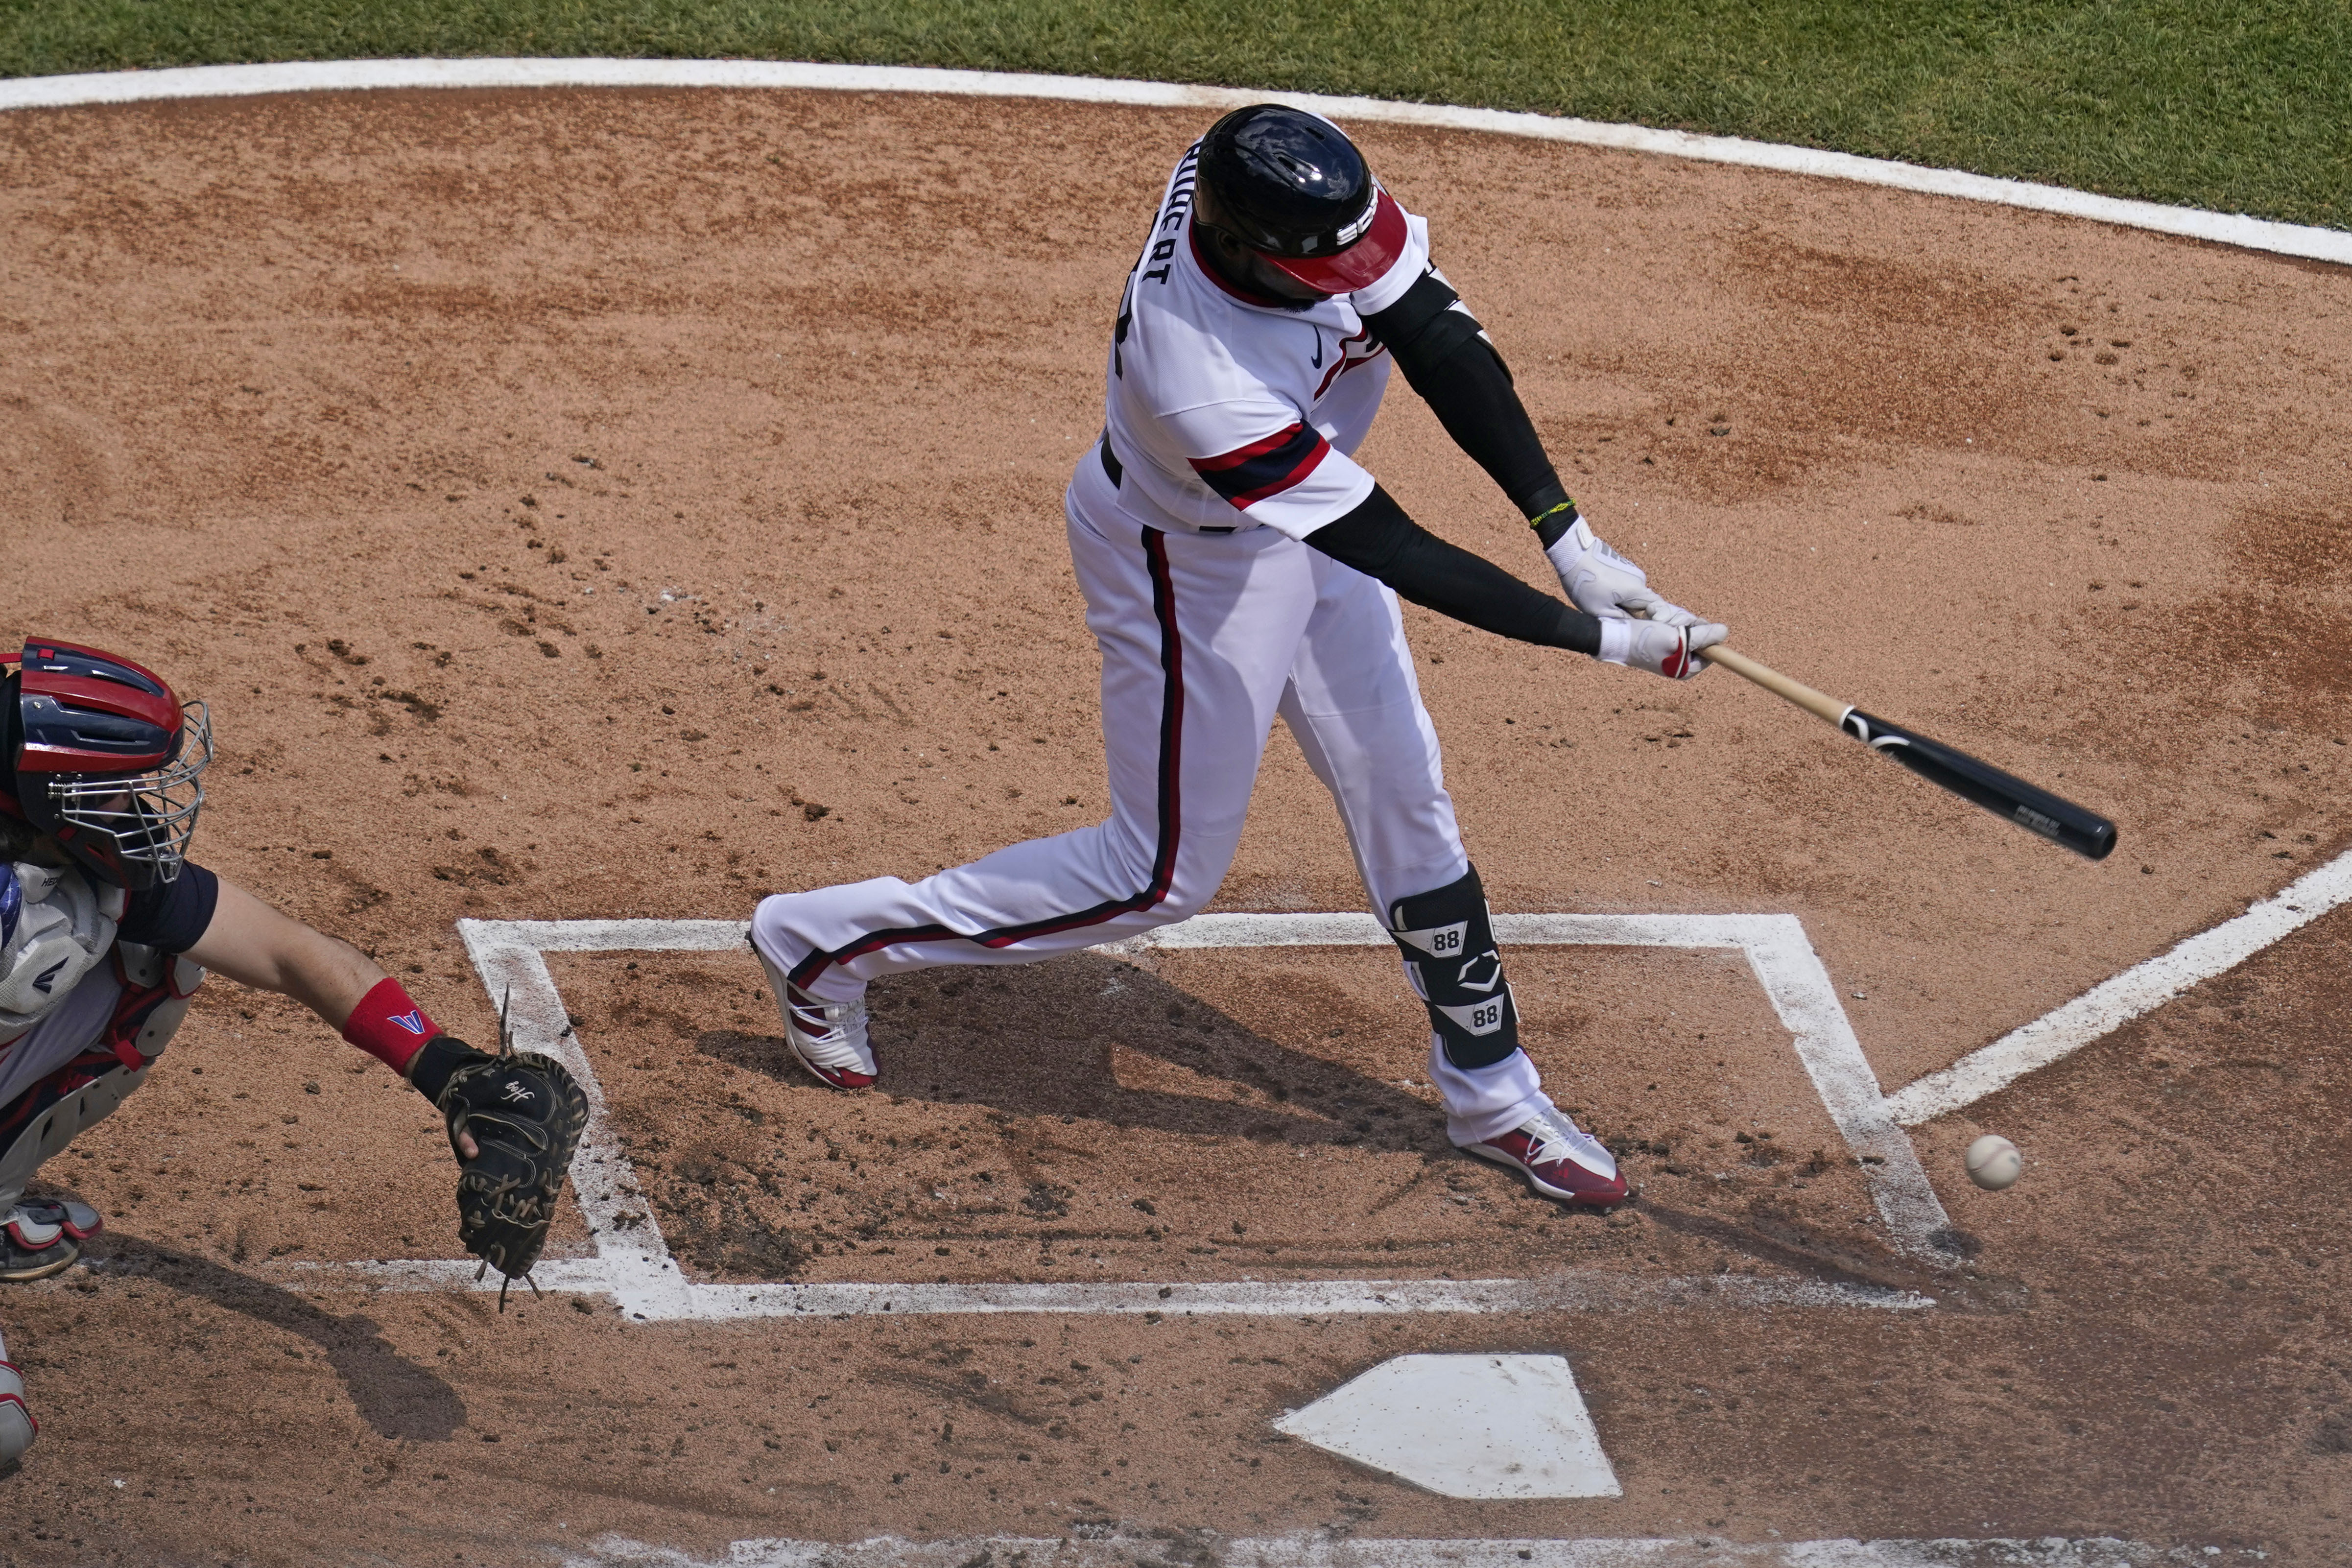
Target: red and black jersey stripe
<point>1247,475</point>
<point>1163,858</point>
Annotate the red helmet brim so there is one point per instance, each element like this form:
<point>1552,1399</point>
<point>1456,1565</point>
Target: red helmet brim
<point>1360,265</point>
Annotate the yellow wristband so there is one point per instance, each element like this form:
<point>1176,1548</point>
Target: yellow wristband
<point>1568,506</point>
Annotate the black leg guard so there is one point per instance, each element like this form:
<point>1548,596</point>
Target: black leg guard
<point>1450,958</point>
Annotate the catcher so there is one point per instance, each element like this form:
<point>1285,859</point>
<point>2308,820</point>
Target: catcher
<point>106,930</point>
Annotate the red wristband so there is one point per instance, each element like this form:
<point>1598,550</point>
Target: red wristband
<point>388,1026</point>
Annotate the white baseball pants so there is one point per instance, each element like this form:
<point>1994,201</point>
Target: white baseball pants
<point>1204,640</point>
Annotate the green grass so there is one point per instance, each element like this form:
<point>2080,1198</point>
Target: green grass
<point>2241,105</point>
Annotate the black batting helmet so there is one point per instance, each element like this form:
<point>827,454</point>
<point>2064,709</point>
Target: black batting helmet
<point>1291,186</point>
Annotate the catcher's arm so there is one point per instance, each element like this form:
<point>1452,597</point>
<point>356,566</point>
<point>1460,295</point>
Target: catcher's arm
<point>249,943</point>
<point>253,944</point>
<point>513,1119</point>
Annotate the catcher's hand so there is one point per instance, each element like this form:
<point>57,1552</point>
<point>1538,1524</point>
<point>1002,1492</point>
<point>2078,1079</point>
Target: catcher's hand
<point>514,1121</point>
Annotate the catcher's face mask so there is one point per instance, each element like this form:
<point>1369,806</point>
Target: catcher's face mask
<point>106,761</point>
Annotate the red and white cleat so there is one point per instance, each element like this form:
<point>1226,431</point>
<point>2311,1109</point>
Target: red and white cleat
<point>829,1037</point>
<point>77,1219</point>
<point>1560,1160</point>
<point>33,1246</point>
<point>17,1427</point>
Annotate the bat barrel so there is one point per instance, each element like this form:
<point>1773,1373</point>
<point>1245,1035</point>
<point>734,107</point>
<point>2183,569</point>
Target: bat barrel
<point>2036,810</point>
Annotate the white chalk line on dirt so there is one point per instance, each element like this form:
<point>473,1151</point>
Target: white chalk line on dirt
<point>316,75</point>
<point>2137,991</point>
<point>1083,1549</point>
<point>1782,960</point>
<point>1592,1293</point>
<point>640,1273</point>
<point>633,1262</point>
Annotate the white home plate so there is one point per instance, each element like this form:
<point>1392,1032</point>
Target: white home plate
<point>1466,1425</point>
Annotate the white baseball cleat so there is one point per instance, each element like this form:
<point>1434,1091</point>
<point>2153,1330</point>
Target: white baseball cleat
<point>1560,1160</point>
<point>829,1037</point>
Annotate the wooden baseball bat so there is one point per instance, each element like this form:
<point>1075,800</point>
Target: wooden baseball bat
<point>2036,810</point>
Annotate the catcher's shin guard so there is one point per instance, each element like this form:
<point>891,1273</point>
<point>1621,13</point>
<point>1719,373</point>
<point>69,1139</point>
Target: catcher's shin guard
<point>1450,960</point>
<point>55,1110</point>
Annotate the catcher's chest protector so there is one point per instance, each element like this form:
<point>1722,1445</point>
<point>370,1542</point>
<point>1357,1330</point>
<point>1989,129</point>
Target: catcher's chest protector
<point>156,990</point>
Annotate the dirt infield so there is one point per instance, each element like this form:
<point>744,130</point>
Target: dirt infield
<point>589,504</point>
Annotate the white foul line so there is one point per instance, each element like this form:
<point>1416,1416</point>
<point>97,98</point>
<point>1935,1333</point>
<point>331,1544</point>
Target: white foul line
<point>621,1277</point>
<point>314,76</point>
<point>2138,990</point>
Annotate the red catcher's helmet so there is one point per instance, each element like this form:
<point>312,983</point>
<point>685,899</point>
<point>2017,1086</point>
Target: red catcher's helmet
<point>104,760</point>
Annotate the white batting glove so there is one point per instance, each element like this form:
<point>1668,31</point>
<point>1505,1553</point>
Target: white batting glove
<point>1662,649</point>
<point>1600,581</point>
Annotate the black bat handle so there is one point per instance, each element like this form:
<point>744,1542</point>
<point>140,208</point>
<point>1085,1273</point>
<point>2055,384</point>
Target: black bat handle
<point>2036,810</point>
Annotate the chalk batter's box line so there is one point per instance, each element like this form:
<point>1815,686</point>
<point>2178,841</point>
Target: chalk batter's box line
<point>633,1261</point>
<point>1318,1550</point>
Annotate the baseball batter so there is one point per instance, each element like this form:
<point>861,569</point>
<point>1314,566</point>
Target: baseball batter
<point>106,930</point>
<point>1238,565</point>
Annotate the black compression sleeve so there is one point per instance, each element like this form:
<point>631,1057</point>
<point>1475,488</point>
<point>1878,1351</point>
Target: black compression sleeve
<point>1448,360</point>
<point>1380,541</point>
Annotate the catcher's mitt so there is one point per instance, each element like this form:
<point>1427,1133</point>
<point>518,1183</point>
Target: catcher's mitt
<point>525,1114</point>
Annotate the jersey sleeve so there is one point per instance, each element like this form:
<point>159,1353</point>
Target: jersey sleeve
<point>1270,464</point>
<point>171,917</point>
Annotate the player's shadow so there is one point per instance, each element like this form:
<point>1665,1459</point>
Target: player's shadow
<point>393,1395</point>
<point>1056,1038</point>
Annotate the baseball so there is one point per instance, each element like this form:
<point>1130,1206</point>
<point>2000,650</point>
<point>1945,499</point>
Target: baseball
<point>1994,1162</point>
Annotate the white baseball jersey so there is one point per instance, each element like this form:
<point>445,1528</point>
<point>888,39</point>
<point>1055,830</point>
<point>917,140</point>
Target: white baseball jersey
<point>1232,422</point>
<point>1230,411</point>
